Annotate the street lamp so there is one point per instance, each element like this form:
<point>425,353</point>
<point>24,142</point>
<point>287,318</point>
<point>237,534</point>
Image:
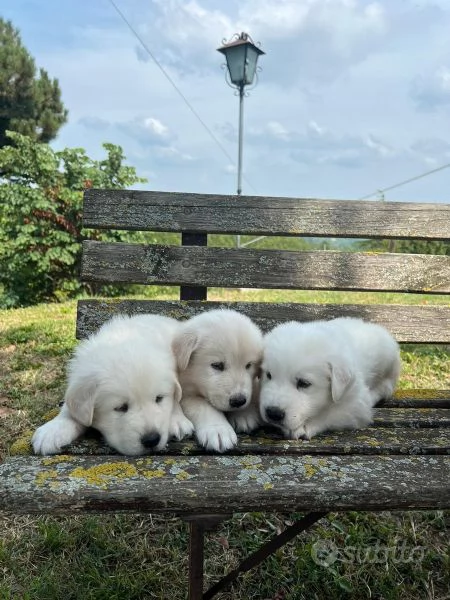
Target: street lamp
<point>242,56</point>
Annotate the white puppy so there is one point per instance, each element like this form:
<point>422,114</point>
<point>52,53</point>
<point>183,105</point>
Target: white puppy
<point>121,381</point>
<point>326,375</point>
<point>219,354</point>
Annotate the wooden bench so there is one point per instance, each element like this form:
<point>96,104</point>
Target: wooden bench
<point>401,462</point>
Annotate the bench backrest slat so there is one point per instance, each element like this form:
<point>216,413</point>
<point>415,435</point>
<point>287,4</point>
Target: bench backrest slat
<point>413,324</point>
<point>271,269</point>
<point>197,267</point>
<point>208,213</point>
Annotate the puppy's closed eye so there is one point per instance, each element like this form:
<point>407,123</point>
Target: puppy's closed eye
<point>159,399</point>
<point>123,408</point>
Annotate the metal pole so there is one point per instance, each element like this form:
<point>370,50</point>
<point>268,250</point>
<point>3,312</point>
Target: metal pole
<point>240,146</point>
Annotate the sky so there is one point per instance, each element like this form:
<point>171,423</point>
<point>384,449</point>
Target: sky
<point>353,95</point>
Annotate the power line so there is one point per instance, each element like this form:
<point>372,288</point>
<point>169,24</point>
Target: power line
<point>174,85</point>
<point>396,185</point>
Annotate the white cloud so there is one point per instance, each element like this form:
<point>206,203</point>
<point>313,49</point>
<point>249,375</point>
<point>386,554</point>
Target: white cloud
<point>432,90</point>
<point>146,131</point>
<point>277,130</point>
<point>156,127</point>
<point>335,92</point>
<point>433,151</point>
<point>94,123</point>
<point>318,145</point>
<point>319,38</point>
<point>172,153</point>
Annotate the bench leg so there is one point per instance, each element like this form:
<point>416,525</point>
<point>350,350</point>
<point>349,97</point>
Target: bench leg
<point>196,547</point>
<point>266,550</point>
<point>198,525</point>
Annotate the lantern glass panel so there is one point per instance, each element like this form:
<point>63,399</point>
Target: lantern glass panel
<point>236,63</point>
<point>251,59</point>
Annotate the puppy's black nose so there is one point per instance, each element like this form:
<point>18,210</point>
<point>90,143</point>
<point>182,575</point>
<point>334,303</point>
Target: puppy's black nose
<point>273,413</point>
<point>237,400</point>
<point>150,440</point>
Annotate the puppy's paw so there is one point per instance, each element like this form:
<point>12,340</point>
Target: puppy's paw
<point>299,433</point>
<point>54,435</point>
<point>244,421</point>
<point>219,438</point>
<point>180,427</point>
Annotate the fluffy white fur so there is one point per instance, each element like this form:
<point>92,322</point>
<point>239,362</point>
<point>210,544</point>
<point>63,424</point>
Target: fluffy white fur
<point>326,375</point>
<point>121,381</point>
<point>219,354</point>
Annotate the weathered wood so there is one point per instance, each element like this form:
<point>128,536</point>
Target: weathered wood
<point>411,417</point>
<point>372,440</point>
<point>279,269</point>
<point>206,484</point>
<point>412,324</point>
<point>401,462</point>
<point>166,211</point>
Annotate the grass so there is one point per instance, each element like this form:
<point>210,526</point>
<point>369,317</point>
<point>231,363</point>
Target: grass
<point>392,556</point>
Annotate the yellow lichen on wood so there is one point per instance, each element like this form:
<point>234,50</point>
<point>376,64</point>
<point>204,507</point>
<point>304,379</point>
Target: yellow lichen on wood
<point>310,470</point>
<point>150,474</point>
<point>51,414</point>
<point>58,458</point>
<point>43,477</point>
<point>101,475</point>
<point>188,447</point>
<point>22,446</point>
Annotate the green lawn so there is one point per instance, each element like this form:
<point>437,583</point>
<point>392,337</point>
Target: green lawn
<point>388,556</point>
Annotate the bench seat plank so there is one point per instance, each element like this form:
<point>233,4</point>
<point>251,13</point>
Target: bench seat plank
<point>167,211</point>
<point>224,484</point>
<point>415,324</point>
<point>372,440</point>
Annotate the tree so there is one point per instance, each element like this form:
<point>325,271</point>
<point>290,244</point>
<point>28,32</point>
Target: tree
<point>29,104</point>
<point>41,231</point>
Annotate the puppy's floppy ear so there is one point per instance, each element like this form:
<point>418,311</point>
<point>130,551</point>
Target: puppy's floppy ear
<point>183,345</point>
<point>177,391</point>
<point>80,399</point>
<point>341,377</point>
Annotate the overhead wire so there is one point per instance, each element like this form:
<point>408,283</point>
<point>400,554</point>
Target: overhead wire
<point>214,137</point>
<point>176,88</point>
<point>396,185</point>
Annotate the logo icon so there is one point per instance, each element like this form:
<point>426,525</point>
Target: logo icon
<point>324,553</point>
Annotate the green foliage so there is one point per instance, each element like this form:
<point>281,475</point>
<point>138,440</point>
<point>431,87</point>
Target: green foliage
<point>261,242</point>
<point>41,231</point>
<point>406,246</point>
<point>29,104</point>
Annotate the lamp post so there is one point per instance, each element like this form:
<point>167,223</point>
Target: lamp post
<point>242,55</point>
